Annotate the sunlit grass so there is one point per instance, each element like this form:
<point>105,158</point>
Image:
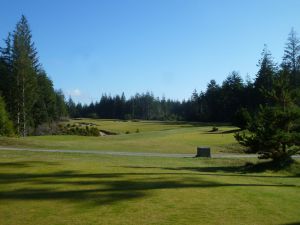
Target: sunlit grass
<point>57,188</point>
<point>152,137</point>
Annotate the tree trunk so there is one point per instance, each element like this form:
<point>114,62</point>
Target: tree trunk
<point>23,105</point>
<point>18,107</point>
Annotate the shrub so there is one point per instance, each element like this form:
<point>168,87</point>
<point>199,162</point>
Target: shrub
<point>214,129</point>
<point>94,131</point>
<point>79,130</point>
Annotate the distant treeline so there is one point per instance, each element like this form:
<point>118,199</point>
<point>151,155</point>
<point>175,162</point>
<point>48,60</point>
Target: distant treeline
<point>231,101</point>
<point>27,96</point>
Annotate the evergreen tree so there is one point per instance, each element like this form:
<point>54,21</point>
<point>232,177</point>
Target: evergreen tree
<point>28,92</point>
<point>232,95</point>
<point>24,68</point>
<point>6,126</point>
<point>6,73</point>
<point>213,102</point>
<point>61,108</point>
<point>72,109</point>
<point>265,76</point>
<point>44,107</point>
<point>291,58</point>
<point>273,131</point>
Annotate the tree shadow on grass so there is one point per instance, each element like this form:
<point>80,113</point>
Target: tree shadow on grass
<point>246,170</point>
<point>22,164</point>
<point>104,188</point>
<point>296,223</point>
<point>222,132</point>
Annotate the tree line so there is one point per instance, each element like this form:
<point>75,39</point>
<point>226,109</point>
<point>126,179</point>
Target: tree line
<point>230,101</point>
<point>140,106</point>
<point>27,95</point>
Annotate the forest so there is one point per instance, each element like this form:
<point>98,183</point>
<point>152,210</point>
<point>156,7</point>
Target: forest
<point>29,100</point>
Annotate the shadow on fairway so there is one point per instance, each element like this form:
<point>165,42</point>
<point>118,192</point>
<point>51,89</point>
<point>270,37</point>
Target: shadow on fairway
<point>105,188</point>
<point>297,223</point>
<point>223,132</point>
<point>23,164</point>
<point>242,170</point>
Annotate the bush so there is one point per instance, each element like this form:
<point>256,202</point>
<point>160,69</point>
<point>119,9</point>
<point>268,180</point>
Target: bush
<point>214,129</point>
<point>93,131</point>
<point>79,130</point>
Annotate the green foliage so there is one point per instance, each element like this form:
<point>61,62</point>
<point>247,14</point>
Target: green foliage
<point>291,58</point>
<point>241,118</point>
<point>29,93</point>
<point>60,105</point>
<point>24,67</point>
<point>272,132</point>
<point>6,126</point>
<point>44,108</point>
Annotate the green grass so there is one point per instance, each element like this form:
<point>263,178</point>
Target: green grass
<point>57,188</point>
<point>165,137</point>
<point>123,126</point>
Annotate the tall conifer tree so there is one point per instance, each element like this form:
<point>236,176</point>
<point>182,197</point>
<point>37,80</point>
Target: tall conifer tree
<point>291,58</point>
<point>265,76</point>
<point>24,68</point>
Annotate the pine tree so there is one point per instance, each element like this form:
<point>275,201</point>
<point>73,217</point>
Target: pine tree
<point>24,68</point>
<point>232,95</point>
<point>60,105</point>
<point>6,73</point>
<point>291,58</point>
<point>44,107</point>
<point>6,126</point>
<point>265,76</point>
<point>273,132</point>
<point>72,108</point>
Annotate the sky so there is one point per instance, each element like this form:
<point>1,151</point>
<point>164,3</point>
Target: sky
<point>167,47</point>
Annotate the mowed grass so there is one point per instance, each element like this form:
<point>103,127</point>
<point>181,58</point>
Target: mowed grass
<point>58,188</point>
<point>164,137</point>
<point>131,126</point>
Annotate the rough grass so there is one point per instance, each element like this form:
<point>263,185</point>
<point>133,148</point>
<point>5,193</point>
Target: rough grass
<point>57,188</point>
<point>165,137</point>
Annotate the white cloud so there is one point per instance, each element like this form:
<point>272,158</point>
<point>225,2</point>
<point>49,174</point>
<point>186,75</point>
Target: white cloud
<point>78,95</point>
<point>74,93</point>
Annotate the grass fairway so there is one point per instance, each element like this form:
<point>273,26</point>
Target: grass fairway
<point>164,137</point>
<point>57,188</point>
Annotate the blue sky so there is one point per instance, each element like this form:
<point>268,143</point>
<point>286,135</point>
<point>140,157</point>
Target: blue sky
<point>169,47</point>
